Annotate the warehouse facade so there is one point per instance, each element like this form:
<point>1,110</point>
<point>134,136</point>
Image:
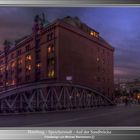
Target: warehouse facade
<point>65,50</point>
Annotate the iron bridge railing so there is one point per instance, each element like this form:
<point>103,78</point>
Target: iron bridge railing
<point>43,96</point>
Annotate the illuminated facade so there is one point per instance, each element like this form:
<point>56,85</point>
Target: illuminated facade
<point>65,50</point>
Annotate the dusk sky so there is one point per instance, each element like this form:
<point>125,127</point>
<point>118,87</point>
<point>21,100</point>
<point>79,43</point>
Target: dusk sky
<point>117,25</point>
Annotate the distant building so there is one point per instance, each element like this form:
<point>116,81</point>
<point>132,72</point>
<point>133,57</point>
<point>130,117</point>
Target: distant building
<point>131,88</point>
<point>65,50</point>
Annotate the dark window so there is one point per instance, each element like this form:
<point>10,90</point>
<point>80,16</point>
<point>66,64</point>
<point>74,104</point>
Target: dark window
<point>28,77</point>
<point>19,70</point>
<point>38,43</point>
<point>38,55</point>
<point>1,61</point>
<point>103,79</point>
<point>19,79</point>
<point>18,52</point>
<point>27,48</point>
<point>103,61</point>
<point>12,56</point>
<point>98,49</point>
<point>98,68</point>
<point>98,78</point>
<point>50,36</point>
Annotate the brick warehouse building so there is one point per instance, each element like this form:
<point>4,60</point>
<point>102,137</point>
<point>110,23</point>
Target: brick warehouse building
<point>65,50</point>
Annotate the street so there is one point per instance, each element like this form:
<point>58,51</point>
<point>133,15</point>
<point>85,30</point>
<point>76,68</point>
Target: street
<point>119,115</point>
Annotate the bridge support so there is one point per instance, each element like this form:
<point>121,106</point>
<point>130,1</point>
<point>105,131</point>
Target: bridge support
<point>48,97</point>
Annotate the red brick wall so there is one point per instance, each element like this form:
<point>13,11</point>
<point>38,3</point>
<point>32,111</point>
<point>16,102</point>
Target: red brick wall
<point>78,58</point>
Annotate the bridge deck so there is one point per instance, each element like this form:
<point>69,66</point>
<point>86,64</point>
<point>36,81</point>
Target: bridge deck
<point>102,116</point>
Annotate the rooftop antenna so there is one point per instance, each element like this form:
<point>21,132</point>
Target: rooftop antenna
<point>7,44</point>
<point>43,18</point>
<point>37,18</point>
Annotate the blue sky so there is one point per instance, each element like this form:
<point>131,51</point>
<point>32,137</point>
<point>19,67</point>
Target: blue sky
<point>120,26</point>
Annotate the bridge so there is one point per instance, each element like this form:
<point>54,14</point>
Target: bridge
<point>62,104</point>
<point>119,115</point>
<point>42,97</point>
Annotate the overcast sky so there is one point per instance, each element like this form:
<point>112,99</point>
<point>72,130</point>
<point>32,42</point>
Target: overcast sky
<point>119,26</point>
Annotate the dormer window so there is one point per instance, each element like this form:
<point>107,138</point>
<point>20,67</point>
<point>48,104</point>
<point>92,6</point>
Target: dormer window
<point>93,33</point>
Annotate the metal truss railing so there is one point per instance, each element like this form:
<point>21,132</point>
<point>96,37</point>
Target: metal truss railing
<point>46,97</point>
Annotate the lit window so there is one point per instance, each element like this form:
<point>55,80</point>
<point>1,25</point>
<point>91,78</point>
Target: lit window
<point>28,67</point>
<point>91,33</point>
<point>13,65</point>
<point>138,96</point>
<point>52,73</point>
<point>49,49</point>
<point>49,74</point>
<point>6,67</point>
<point>77,94</point>
<point>38,65</point>
<point>28,57</point>
<point>98,59</point>
<point>13,82</point>
<point>94,34</point>
<point>19,61</point>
